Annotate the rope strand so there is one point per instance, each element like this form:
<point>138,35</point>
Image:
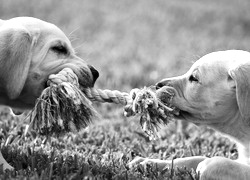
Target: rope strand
<point>65,105</point>
<point>100,95</point>
<point>107,95</point>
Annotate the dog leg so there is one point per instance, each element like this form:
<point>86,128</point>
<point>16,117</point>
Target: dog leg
<point>220,168</point>
<point>188,162</point>
<point>216,168</point>
<point>4,163</point>
<point>14,112</point>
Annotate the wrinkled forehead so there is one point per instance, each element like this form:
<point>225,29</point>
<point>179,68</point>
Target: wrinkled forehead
<point>52,33</point>
<point>223,60</point>
<point>46,30</point>
<point>211,67</point>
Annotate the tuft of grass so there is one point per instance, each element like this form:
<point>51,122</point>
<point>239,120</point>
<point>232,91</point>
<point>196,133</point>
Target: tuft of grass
<point>103,150</point>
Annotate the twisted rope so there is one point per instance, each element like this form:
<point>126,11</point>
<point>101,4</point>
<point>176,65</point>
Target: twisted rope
<point>63,106</point>
<point>110,96</point>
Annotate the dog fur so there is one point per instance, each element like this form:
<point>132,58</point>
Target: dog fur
<point>31,50</point>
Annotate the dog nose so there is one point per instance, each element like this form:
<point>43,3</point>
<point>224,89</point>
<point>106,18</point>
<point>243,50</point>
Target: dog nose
<point>94,72</point>
<point>159,85</point>
<point>164,82</point>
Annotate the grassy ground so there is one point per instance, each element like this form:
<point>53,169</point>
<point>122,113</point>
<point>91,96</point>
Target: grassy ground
<point>132,44</point>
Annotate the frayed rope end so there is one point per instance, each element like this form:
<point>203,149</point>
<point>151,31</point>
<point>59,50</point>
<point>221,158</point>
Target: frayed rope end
<point>60,109</point>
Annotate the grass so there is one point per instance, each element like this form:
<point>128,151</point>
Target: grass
<point>103,150</point>
<point>132,44</point>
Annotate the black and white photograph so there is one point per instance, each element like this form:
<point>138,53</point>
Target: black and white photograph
<point>125,90</point>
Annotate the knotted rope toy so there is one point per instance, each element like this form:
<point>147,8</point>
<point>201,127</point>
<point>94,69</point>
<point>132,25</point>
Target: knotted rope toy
<point>65,106</point>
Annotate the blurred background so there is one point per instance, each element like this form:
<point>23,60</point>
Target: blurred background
<point>136,43</point>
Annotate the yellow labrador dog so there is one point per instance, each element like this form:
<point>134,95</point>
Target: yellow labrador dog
<point>31,50</point>
<point>214,92</point>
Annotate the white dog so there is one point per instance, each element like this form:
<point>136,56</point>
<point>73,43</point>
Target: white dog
<point>214,92</point>
<point>31,50</point>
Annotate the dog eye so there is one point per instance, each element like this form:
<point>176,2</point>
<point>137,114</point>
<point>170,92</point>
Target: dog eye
<point>193,79</point>
<point>59,49</point>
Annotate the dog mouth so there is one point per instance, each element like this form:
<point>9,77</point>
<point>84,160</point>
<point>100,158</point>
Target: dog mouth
<point>84,78</point>
<point>166,95</point>
<point>183,115</point>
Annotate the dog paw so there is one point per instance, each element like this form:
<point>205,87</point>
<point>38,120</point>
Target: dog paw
<point>143,163</point>
<point>136,161</point>
<point>222,168</point>
<point>6,166</point>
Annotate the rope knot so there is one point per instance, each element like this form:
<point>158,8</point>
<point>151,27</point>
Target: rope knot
<point>66,75</point>
<point>65,106</point>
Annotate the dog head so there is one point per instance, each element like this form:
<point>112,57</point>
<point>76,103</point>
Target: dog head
<point>31,50</point>
<point>216,89</point>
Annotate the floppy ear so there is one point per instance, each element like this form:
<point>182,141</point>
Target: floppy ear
<point>15,59</point>
<point>241,76</point>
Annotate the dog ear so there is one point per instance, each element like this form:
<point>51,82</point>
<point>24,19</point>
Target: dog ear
<point>241,77</point>
<point>15,59</point>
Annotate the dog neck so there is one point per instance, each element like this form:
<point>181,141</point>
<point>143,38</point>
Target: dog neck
<point>238,130</point>
<point>244,153</point>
